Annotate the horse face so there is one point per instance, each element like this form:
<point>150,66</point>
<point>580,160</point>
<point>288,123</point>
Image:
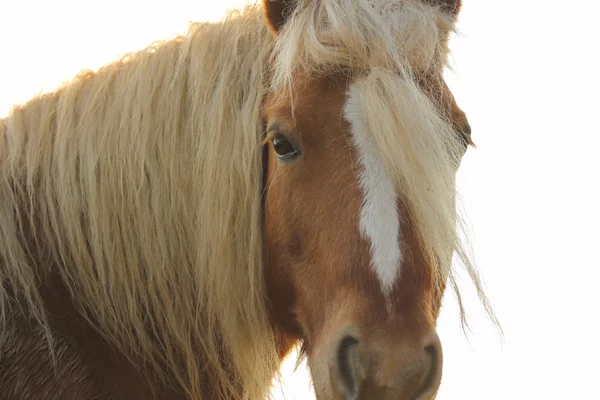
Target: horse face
<point>345,271</point>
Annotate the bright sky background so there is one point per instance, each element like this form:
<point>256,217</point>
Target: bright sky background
<point>527,72</point>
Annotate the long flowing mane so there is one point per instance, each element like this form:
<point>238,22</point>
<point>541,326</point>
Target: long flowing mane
<point>140,184</point>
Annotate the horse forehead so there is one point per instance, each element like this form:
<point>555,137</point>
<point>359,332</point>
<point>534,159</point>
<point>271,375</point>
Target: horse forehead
<point>332,106</point>
<point>326,107</point>
<point>379,215</point>
<point>311,96</point>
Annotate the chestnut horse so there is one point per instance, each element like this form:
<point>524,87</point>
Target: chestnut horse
<point>175,223</point>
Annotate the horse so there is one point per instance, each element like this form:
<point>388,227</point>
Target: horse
<point>175,223</point>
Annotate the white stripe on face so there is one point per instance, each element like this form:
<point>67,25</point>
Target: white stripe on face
<point>379,216</point>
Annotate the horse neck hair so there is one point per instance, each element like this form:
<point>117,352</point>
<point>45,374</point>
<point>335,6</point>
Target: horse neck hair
<point>142,181</point>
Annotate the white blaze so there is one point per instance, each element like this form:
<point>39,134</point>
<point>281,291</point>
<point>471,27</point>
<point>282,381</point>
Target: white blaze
<point>379,216</point>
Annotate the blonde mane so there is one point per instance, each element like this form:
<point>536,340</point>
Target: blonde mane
<point>143,180</point>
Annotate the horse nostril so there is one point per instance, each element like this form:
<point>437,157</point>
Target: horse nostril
<point>346,367</point>
<point>432,380</point>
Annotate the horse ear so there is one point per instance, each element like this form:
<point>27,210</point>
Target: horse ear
<point>277,12</point>
<point>450,6</point>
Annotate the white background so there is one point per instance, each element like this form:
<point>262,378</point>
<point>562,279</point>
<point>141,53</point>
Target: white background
<point>527,72</point>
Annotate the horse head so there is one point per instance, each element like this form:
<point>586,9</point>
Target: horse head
<point>360,165</point>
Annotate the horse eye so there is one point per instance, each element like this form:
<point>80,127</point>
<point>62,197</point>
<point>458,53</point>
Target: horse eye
<point>285,150</point>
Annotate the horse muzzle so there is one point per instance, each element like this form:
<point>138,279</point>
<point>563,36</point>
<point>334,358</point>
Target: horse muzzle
<point>359,370</point>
